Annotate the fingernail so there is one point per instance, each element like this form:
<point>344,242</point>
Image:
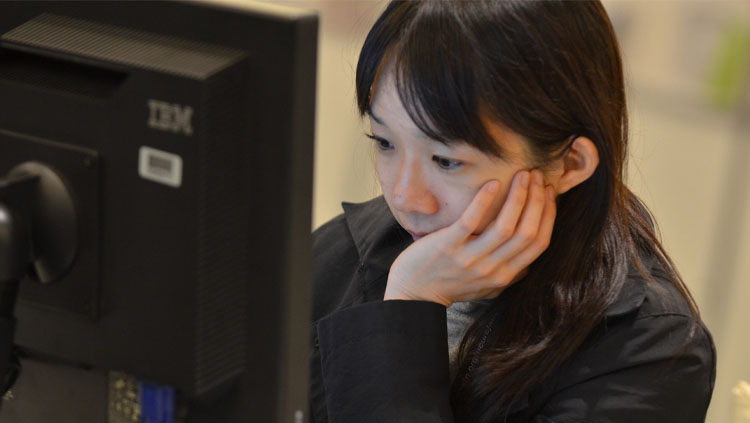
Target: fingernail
<point>538,178</point>
<point>493,185</point>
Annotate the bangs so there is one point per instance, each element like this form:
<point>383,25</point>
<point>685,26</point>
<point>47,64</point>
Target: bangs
<point>436,73</point>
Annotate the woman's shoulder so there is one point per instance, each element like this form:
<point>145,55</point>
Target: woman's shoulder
<point>648,292</point>
<point>650,343</point>
<point>350,236</point>
<point>669,323</point>
<point>651,303</point>
<point>650,360</point>
<point>353,227</point>
<point>654,320</point>
<point>334,260</point>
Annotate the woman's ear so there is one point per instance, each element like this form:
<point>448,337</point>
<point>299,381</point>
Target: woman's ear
<point>579,163</point>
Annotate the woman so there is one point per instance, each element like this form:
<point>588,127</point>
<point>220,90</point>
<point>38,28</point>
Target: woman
<point>500,131</point>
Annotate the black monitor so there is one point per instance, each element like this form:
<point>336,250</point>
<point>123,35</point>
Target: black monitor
<point>169,148</point>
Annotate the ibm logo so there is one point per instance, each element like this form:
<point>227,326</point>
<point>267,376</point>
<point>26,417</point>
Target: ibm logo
<point>170,117</point>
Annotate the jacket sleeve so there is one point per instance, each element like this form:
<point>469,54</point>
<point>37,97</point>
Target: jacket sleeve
<point>386,361</point>
<point>648,370</point>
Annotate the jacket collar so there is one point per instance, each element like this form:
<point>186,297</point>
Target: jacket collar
<point>379,239</point>
<point>370,224</point>
<point>633,292</point>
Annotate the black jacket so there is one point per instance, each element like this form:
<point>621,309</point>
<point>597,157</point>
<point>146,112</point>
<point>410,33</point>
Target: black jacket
<point>387,361</point>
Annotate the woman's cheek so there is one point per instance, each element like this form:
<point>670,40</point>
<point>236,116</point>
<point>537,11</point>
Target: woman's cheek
<point>381,173</point>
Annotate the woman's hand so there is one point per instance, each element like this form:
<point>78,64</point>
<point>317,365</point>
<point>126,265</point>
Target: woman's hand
<point>454,264</point>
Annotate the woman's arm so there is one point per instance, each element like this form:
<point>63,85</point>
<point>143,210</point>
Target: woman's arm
<point>386,362</point>
<point>396,369</point>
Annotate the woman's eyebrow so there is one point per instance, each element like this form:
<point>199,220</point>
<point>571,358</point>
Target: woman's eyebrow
<point>375,118</point>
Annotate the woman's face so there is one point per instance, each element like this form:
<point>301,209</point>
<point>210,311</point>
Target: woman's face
<point>427,184</point>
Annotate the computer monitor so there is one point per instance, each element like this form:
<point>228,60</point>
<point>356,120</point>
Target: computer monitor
<point>182,136</point>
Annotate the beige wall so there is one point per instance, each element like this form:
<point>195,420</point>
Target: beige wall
<point>343,159</point>
<point>689,160</point>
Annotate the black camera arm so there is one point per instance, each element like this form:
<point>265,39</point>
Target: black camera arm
<point>16,255</point>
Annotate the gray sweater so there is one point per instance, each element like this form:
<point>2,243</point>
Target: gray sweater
<point>460,316</point>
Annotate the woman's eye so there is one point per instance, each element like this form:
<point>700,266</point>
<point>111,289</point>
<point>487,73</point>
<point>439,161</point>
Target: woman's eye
<point>447,164</point>
<point>381,143</point>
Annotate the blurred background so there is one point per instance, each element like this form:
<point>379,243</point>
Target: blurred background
<point>688,71</point>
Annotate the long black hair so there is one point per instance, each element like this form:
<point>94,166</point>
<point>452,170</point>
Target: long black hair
<point>546,70</point>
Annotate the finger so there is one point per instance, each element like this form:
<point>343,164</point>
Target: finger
<point>504,226</point>
<point>472,216</point>
<point>542,241</point>
<point>508,268</point>
<point>528,226</point>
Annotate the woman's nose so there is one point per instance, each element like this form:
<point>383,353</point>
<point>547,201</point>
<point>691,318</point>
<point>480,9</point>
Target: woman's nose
<point>411,193</point>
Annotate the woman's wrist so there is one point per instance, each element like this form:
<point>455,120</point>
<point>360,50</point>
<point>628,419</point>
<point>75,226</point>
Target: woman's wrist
<point>396,294</point>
